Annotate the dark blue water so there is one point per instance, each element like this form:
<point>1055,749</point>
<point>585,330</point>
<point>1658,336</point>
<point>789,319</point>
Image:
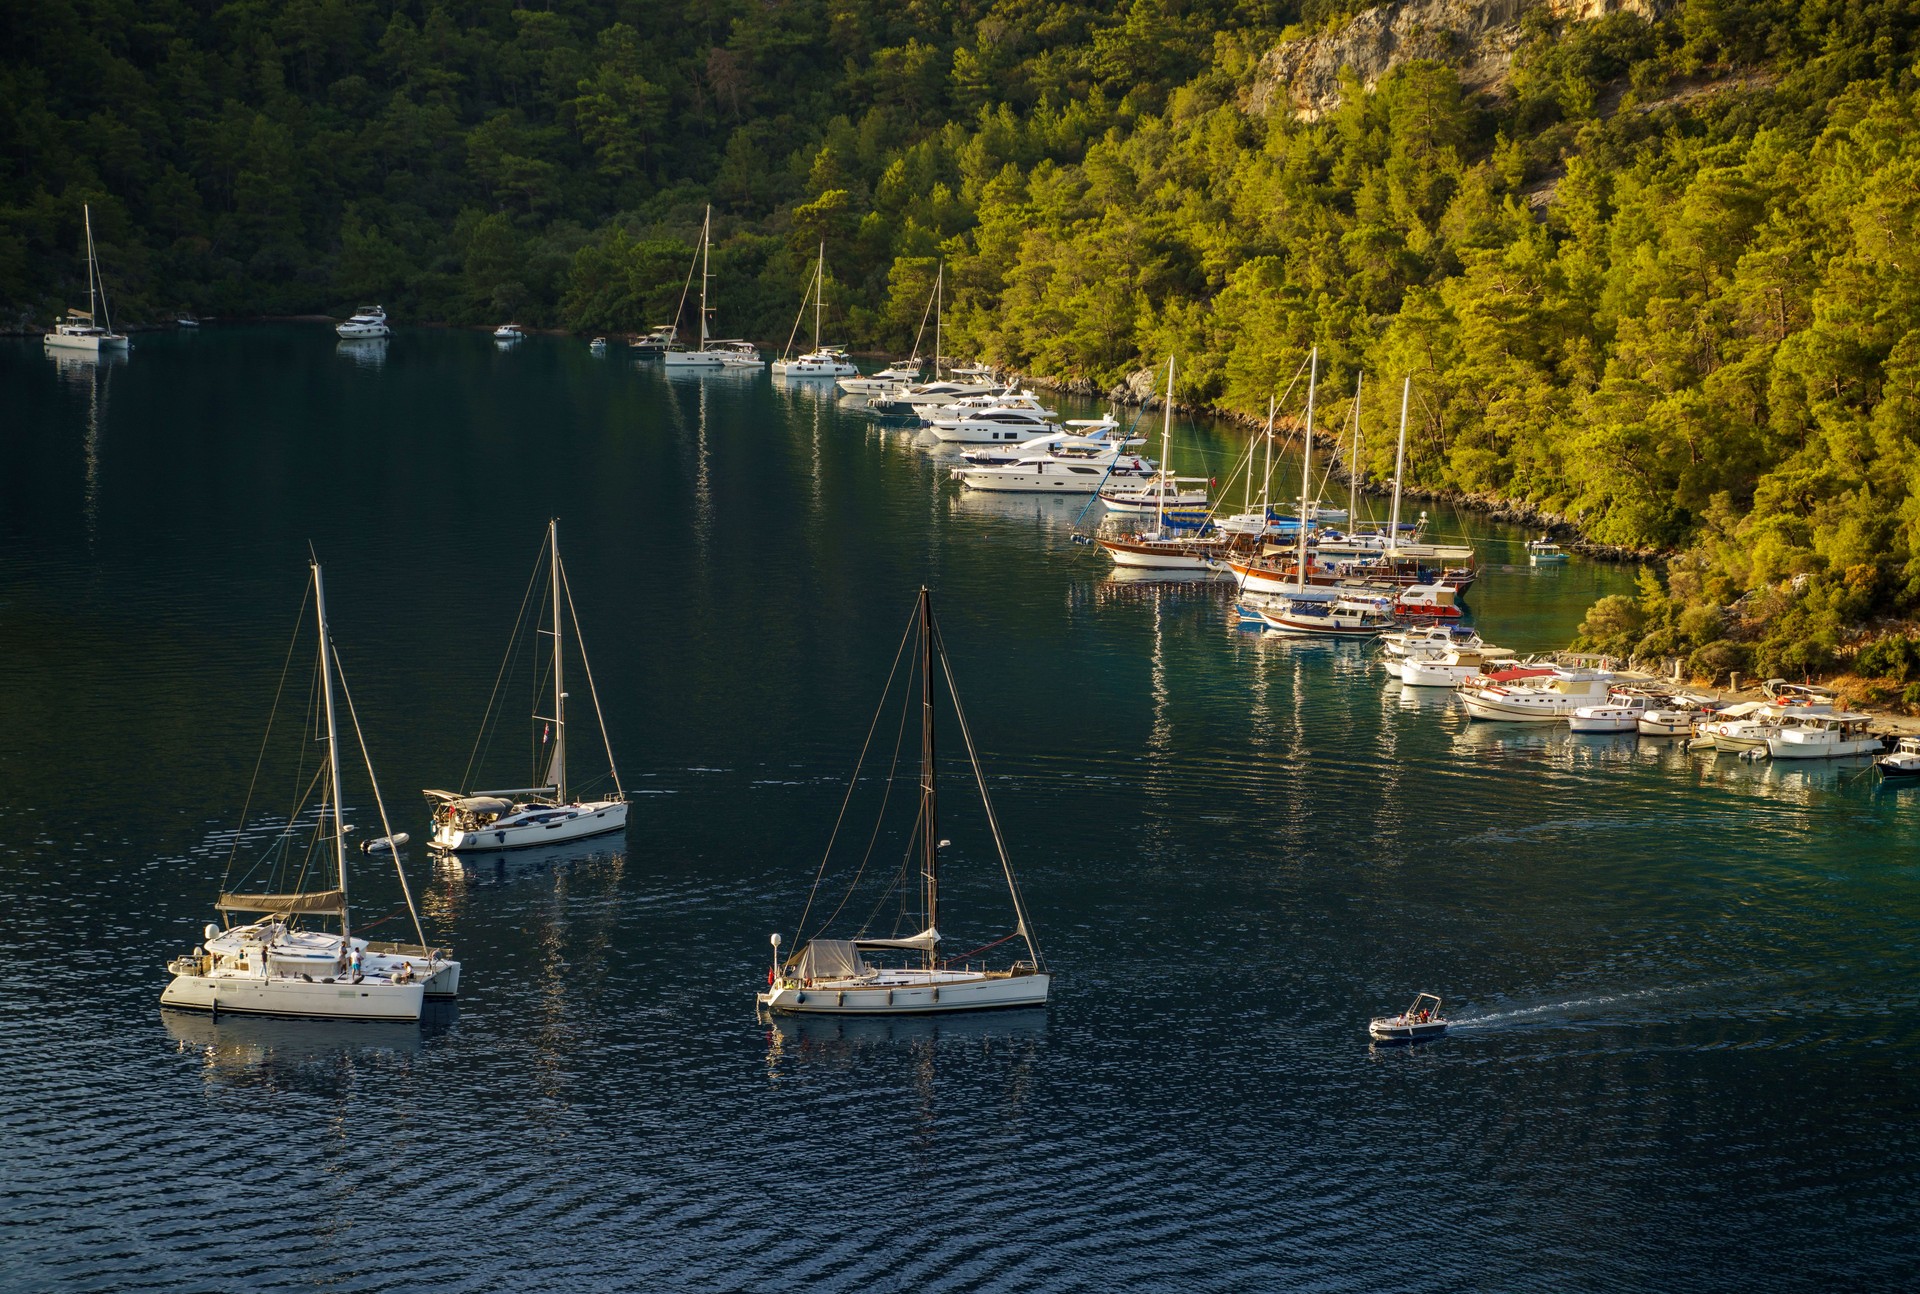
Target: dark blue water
<point>1688,991</point>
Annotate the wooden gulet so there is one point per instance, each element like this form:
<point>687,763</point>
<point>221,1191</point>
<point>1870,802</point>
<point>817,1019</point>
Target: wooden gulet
<point>835,977</point>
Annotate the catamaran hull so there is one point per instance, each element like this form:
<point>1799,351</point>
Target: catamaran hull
<point>92,345</point>
<point>594,820</point>
<point>690,359</point>
<point>982,994</point>
<point>224,995</point>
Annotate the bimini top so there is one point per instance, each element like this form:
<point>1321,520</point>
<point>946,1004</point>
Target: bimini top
<point>330,903</point>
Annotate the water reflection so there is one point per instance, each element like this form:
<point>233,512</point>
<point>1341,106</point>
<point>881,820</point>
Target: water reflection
<point>91,374</point>
<point>367,352</point>
<point>326,1057</point>
<point>1051,512</point>
<point>803,1038</point>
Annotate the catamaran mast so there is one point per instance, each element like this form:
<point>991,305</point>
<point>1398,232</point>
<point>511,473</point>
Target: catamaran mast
<point>706,246</point>
<point>86,214</point>
<point>1306,472</point>
<point>557,771</point>
<point>819,284</point>
<point>333,746</point>
<point>930,842</point>
<point>1399,464</point>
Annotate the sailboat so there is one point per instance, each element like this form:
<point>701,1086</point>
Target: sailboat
<point>914,399</point>
<point>836,976</point>
<point>78,331</point>
<point>821,361</point>
<point>475,821</point>
<point>1168,546</point>
<point>274,965</point>
<point>711,354</point>
<point>1300,610</point>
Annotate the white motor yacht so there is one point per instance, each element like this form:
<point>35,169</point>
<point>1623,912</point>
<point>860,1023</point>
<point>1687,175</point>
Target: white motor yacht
<point>367,321</point>
<point>1826,736</point>
<point>508,332</point>
<point>1447,668</point>
<point>476,821</point>
<point>835,976</point>
<point>655,342</point>
<point>991,419</point>
<point>1067,471</point>
<point>278,965</point>
<point>79,330</point>
<point>1083,435</point>
<point>1547,698</point>
<point>894,377</point>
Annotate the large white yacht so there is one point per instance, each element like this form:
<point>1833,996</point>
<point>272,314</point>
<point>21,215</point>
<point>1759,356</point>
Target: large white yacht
<point>892,378</point>
<point>1071,469</point>
<point>367,321</point>
<point>990,419</point>
<point>475,821</point>
<point>79,330</point>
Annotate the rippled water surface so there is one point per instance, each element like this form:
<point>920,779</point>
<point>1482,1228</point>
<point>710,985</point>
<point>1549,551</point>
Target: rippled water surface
<point>1687,990</point>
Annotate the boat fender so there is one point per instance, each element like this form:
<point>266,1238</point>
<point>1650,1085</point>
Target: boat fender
<point>799,997</point>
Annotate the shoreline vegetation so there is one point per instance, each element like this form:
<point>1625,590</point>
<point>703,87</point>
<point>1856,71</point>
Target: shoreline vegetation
<point>1655,273</point>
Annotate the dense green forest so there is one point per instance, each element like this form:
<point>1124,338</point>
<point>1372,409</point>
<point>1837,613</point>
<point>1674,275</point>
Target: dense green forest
<point>1664,280</point>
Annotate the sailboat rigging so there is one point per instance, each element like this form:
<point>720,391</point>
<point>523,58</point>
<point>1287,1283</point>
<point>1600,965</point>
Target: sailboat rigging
<point>472,821</point>
<point>834,975</point>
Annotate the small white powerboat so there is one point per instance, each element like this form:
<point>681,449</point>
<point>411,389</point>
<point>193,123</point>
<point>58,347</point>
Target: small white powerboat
<point>1417,1023</point>
<point>508,332</point>
<point>1668,723</point>
<point>598,346</point>
<point>1902,761</point>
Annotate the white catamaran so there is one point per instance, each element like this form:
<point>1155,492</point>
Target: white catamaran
<point>274,965</point>
<point>79,331</point>
<point>836,977</point>
<point>473,821</point>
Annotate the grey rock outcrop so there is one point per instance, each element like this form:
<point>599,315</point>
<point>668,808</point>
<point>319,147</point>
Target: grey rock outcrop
<point>1476,36</point>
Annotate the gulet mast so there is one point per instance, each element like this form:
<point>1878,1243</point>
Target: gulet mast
<point>333,747</point>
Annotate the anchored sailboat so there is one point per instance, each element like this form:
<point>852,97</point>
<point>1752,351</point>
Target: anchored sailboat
<point>472,821</point>
<point>821,361</point>
<point>275,966</point>
<point>836,976</point>
<point>79,330</point>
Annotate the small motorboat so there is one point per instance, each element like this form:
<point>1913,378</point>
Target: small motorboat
<point>1544,552</point>
<point>1417,1023</point>
<point>1902,761</point>
<point>508,332</point>
<point>598,345</point>
<point>1668,723</point>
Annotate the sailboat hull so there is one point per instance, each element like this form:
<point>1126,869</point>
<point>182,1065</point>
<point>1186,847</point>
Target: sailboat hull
<point>254,995</point>
<point>910,993</point>
<point>598,818</point>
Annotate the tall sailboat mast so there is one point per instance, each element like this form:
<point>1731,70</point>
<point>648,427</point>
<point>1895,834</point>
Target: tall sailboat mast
<point>939,307</point>
<point>557,770</point>
<point>93,264</point>
<point>333,745</point>
<point>706,247</point>
<point>928,821</point>
<point>819,285</point>
<point>1166,458</point>
<point>1399,465</point>
<point>1306,471</point>
<point>1353,460</point>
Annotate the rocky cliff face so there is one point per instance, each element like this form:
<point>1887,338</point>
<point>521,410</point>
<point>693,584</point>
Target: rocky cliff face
<point>1476,36</point>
